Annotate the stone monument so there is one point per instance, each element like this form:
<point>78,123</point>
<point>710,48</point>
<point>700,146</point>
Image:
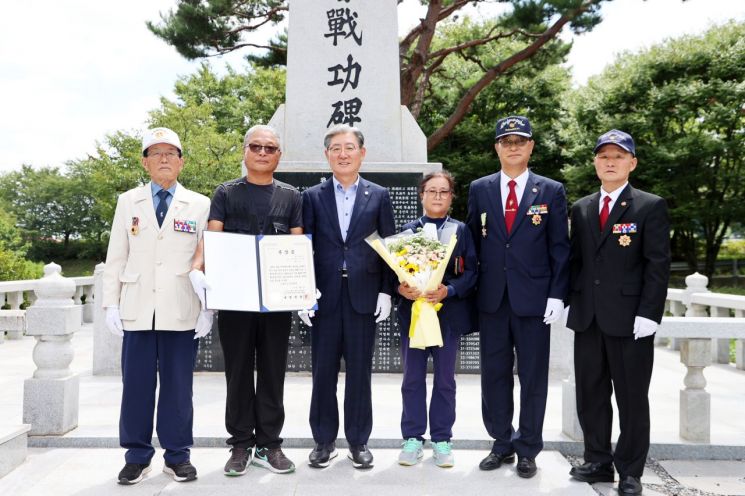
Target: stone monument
<point>343,68</point>
<point>50,397</point>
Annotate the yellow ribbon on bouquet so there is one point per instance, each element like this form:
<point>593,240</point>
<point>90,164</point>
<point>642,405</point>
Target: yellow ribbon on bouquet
<point>425,326</point>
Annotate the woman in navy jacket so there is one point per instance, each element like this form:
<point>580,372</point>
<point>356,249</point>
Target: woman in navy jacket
<point>436,193</point>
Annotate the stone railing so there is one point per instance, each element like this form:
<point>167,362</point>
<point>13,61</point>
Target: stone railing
<point>14,293</point>
<point>700,325</point>
<point>697,301</point>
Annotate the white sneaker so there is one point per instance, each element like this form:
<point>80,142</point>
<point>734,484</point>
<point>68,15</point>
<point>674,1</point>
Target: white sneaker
<point>442,453</point>
<point>411,452</point>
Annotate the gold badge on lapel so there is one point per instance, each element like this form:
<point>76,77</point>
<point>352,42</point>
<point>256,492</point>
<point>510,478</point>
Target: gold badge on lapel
<point>536,219</point>
<point>135,229</point>
<point>624,240</point>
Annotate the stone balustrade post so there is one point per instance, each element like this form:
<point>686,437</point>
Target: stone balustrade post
<point>15,300</point>
<point>695,283</point>
<point>740,346</point>
<point>50,397</point>
<point>78,295</point>
<point>695,401</point>
<point>107,348</point>
<point>677,309</point>
<point>719,347</point>
<point>88,306</point>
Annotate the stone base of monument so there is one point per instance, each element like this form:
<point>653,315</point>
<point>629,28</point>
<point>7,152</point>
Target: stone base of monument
<point>13,446</point>
<point>51,405</point>
<point>13,322</point>
<point>569,420</point>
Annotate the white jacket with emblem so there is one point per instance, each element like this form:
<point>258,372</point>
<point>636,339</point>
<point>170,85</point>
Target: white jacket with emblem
<point>147,267</point>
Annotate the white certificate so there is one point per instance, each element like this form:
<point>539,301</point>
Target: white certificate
<point>272,273</point>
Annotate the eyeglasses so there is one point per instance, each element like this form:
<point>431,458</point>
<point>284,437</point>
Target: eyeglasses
<point>336,150</point>
<point>516,142</point>
<point>443,193</point>
<point>268,149</point>
<point>168,155</point>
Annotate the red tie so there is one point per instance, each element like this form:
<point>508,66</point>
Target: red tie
<point>604,212</point>
<point>510,210</point>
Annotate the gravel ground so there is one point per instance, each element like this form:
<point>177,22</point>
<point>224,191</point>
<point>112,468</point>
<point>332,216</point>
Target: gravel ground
<point>670,487</point>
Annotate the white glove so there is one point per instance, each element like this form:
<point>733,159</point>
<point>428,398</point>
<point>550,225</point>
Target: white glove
<point>554,311</point>
<point>204,323</point>
<point>200,285</point>
<point>644,327</point>
<point>305,316</point>
<point>382,307</point>
<point>114,321</point>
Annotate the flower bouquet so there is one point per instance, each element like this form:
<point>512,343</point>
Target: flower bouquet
<point>420,260</point>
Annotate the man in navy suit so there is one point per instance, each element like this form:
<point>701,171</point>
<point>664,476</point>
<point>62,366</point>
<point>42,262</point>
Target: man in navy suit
<point>356,286</point>
<point>519,223</point>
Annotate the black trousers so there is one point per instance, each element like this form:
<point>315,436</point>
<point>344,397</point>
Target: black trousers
<point>602,364</point>
<point>254,414</point>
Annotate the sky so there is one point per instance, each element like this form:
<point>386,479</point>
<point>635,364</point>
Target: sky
<point>73,71</point>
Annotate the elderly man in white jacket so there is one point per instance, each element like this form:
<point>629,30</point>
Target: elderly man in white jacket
<point>150,302</point>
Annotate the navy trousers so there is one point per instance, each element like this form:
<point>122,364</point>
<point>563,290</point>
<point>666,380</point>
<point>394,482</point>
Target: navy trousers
<point>414,388</point>
<point>350,335</point>
<point>146,357</point>
<point>501,333</point>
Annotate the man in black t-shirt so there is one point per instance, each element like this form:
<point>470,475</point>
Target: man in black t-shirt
<point>254,413</point>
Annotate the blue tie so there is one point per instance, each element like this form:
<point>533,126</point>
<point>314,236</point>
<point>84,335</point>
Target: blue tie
<point>160,212</point>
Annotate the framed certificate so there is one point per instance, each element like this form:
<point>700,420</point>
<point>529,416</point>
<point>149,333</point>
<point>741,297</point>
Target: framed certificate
<point>264,273</point>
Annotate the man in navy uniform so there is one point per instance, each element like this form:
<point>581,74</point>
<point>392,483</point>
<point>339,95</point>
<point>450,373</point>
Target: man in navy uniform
<point>519,223</point>
<point>620,266</point>
<point>356,286</point>
<point>150,303</point>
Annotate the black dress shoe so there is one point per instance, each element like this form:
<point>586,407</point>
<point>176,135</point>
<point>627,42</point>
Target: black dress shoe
<point>628,484</point>
<point>360,456</point>
<point>495,460</point>
<point>322,455</point>
<point>526,467</point>
<point>593,472</point>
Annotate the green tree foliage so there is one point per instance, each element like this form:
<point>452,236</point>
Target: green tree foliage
<point>683,103</point>
<point>48,204</point>
<point>13,247</point>
<point>528,29</point>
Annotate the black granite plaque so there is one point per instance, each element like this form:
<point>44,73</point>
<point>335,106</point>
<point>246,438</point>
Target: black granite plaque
<point>403,188</point>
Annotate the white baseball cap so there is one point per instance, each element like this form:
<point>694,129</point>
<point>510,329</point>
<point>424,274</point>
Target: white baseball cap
<point>160,135</point>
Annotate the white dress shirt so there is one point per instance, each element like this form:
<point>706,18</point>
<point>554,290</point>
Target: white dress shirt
<point>521,181</point>
<point>613,197</point>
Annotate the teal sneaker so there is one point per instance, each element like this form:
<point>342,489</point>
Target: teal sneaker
<point>411,452</point>
<point>274,460</point>
<point>442,453</point>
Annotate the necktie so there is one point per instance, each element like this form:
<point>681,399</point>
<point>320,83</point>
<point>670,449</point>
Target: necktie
<point>160,212</point>
<point>510,209</point>
<point>604,212</point>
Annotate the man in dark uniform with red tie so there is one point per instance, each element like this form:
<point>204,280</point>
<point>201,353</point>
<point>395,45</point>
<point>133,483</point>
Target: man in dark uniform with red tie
<point>519,223</point>
<point>620,266</point>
